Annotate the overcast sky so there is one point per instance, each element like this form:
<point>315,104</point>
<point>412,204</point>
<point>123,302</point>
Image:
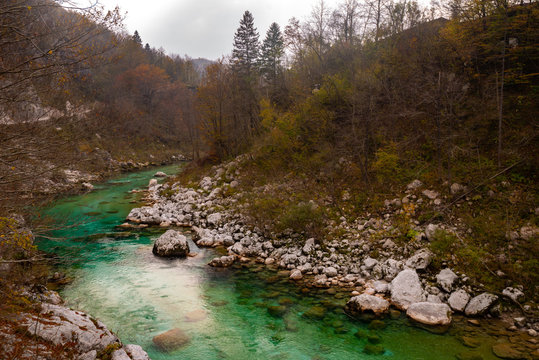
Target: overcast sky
<point>204,28</point>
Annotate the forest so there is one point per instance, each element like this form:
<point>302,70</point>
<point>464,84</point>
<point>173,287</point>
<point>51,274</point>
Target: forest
<point>381,121</point>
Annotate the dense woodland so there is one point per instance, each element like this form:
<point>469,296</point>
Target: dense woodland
<point>340,111</point>
<point>358,99</point>
<point>77,91</point>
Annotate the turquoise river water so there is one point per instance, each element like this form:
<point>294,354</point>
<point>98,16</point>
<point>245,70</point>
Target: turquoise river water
<point>224,311</point>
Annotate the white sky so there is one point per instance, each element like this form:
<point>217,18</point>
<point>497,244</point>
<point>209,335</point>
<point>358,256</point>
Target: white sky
<point>204,28</point>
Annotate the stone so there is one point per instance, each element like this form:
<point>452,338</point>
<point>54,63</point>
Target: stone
<point>420,260</point>
<point>416,184</point>
<point>308,247</point>
<point>87,186</point>
<point>171,340</point>
<point>380,286</point>
<point>406,289</point>
<point>434,299</point>
<point>446,278</point>
<point>136,352</point>
<point>430,232</point>
<point>120,355</point>
<point>513,294</point>
<point>315,312</point>
<point>430,194</point>
<point>152,182</point>
<point>277,310</point>
<point>529,232</point>
<point>296,274</point>
<point>457,188</point>
<point>61,326</point>
<point>371,349</point>
<point>171,244</point>
<point>458,300</point>
<point>90,355</point>
<point>214,219</point>
<point>430,313</point>
<point>480,304</point>
<point>366,302</point>
<point>160,174</point>
<point>223,261</point>
<point>370,263</point>
<point>507,351</point>
<point>330,271</point>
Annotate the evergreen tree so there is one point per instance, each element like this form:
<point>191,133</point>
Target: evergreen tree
<point>245,52</point>
<point>136,38</point>
<point>147,47</point>
<point>272,53</point>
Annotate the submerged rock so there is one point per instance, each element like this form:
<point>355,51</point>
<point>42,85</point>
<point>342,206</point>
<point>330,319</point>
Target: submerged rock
<point>160,174</point>
<point>365,302</point>
<point>223,261</point>
<point>406,289</point>
<point>430,313</point>
<point>507,351</point>
<point>171,244</point>
<point>171,340</point>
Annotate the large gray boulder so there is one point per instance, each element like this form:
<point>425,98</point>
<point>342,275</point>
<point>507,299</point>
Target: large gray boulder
<point>420,260</point>
<point>458,300</point>
<point>430,313</point>
<point>171,244</point>
<point>446,278</point>
<point>65,327</point>
<point>480,304</point>
<point>406,289</point>
<point>366,302</point>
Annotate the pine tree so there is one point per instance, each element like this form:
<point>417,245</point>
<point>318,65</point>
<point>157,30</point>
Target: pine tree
<point>245,52</point>
<point>272,53</point>
<point>136,38</point>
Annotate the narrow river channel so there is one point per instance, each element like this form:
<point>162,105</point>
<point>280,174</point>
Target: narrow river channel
<point>235,313</point>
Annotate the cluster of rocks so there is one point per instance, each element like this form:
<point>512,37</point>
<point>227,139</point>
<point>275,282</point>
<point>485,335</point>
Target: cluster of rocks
<point>399,275</point>
<point>55,326</point>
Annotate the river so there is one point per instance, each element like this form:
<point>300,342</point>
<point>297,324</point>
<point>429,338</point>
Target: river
<point>225,312</point>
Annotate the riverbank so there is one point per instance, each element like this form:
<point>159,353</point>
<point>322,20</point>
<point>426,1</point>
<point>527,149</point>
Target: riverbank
<point>363,258</point>
<point>35,321</point>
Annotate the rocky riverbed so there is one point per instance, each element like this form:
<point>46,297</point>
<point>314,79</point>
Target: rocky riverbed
<point>400,276</point>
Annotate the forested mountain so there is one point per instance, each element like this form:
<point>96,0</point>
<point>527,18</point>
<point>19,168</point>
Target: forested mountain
<point>78,92</point>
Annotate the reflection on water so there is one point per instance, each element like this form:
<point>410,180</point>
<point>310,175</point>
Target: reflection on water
<point>227,313</point>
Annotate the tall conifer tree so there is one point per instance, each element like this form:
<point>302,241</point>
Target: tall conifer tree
<point>245,52</point>
<point>272,53</point>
